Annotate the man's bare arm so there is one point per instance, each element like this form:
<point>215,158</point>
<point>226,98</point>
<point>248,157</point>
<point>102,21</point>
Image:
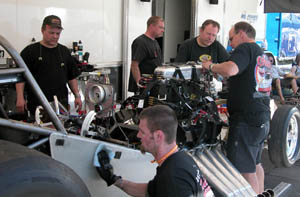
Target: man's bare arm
<point>131,188</point>
<point>135,70</point>
<point>21,103</point>
<point>226,69</point>
<point>73,84</point>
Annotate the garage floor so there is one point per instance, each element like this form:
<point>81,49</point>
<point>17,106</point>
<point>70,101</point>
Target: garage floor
<point>274,176</point>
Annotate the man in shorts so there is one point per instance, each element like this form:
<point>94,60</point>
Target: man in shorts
<point>250,80</point>
<point>281,79</point>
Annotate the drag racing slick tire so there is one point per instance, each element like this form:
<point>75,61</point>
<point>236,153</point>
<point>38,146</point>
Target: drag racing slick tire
<point>283,141</point>
<point>27,172</point>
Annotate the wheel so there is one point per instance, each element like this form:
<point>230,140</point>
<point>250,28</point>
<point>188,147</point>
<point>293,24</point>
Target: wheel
<point>86,125</point>
<point>27,172</point>
<point>283,143</point>
<point>13,135</point>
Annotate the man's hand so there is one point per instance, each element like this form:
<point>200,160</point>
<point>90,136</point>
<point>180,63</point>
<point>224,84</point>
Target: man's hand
<point>21,105</point>
<point>141,84</point>
<point>78,103</point>
<point>106,170</point>
<point>206,64</point>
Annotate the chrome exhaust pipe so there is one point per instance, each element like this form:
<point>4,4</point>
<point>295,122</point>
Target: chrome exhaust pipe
<point>221,174</point>
<point>212,178</point>
<point>282,189</point>
<point>234,191</point>
<point>244,189</point>
<point>233,171</point>
<point>225,178</point>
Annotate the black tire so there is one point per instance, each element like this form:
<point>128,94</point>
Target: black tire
<point>25,172</point>
<point>13,135</point>
<point>283,142</point>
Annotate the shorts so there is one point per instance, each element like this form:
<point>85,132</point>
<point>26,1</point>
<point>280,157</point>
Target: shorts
<point>245,145</point>
<point>283,82</point>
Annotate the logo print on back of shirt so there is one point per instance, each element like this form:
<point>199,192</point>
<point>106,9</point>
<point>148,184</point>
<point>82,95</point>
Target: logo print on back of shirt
<point>263,76</point>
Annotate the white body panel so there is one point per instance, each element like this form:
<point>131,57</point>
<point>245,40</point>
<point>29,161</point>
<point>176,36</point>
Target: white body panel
<point>78,153</point>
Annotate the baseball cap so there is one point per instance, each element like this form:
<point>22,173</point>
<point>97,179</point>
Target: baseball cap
<point>53,21</point>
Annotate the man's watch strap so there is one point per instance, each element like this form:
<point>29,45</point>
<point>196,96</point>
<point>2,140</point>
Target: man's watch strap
<point>77,95</point>
<point>210,67</point>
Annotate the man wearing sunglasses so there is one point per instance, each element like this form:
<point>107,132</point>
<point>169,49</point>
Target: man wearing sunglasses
<point>249,73</point>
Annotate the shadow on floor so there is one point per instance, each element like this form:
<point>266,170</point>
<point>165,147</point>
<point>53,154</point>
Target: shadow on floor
<point>274,176</point>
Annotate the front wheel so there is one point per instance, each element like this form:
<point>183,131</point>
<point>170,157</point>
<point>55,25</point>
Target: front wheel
<point>26,172</point>
<point>283,143</point>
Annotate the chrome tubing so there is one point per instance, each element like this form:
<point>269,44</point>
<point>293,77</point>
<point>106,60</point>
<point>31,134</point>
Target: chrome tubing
<point>212,178</point>
<point>243,189</point>
<point>225,162</point>
<point>282,189</point>
<point>38,143</point>
<point>26,127</point>
<point>220,173</point>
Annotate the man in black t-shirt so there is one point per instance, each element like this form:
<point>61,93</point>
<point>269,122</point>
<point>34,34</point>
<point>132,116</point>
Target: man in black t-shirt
<point>205,46</point>
<point>52,67</point>
<point>146,53</point>
<point>177,173</point>
<point>248,102</point>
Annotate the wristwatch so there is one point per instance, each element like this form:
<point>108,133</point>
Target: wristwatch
<point>210,67</point>
<point>77,95</point>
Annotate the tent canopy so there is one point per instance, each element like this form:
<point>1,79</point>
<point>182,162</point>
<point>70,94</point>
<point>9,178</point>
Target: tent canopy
<point>287,6</point>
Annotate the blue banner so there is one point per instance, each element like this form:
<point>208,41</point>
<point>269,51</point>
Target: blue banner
<point>290,35</point>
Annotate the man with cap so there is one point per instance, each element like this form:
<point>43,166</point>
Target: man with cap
<point>52,66</point>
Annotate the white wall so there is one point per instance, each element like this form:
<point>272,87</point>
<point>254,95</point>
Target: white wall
<point>139,13</point>
<point>177,17</point>
<point>211,11</point>
<point>97,23</point>
<point>226,12</point>
<point>233,11</point>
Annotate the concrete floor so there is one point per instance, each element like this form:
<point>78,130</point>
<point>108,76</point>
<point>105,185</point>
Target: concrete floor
<point>274,176</point>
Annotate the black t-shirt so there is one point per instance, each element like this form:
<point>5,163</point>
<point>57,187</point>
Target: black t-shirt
<point>52,68</point>
<point>249,90</point>
<point>148,53</point>
<point>191,51</point>
<point>179,176</point>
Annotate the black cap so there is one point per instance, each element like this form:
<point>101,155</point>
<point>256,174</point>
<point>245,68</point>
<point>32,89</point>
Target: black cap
<point>53,21</point>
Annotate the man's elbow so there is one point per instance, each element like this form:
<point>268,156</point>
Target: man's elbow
<point>232,72</point>
<point>232,69</point>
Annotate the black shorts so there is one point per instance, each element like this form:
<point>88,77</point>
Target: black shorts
<point>245,145</point>
<point>283,82</point>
